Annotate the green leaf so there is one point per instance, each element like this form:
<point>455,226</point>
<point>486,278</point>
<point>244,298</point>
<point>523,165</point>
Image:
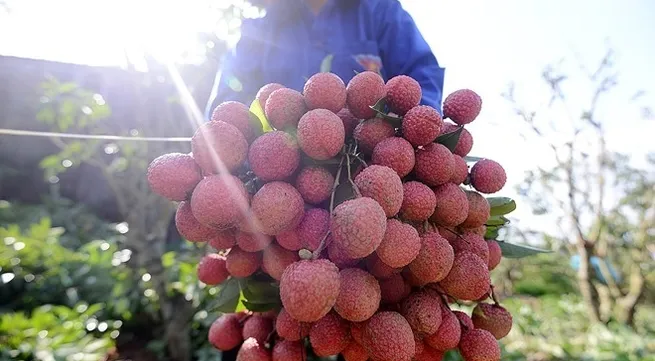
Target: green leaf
<point>326,64</point>
<point>449,140</point>
<point>343,193</point>
<point>497,221</point>
<point>472,159</point>
<point>227,298</point>
<point>492,232</point>
<point>256,109</point>
<point>511,250</point>
<point>260,307</point>
<point>501,205</point>
<point>379,108</point>
<point>379,105</point>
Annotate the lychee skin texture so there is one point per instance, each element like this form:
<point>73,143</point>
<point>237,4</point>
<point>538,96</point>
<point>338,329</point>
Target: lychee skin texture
<point>452,206</point>
<point>389,337</point>
<point>289,328</point>
<point>460,170</point>
<point>354,352</point>
<point>434,260</point>
<point>465,142</point>
<point>358,226</point>
<point>465,321</point>
<point>189,227</point>
<point>325,91</point>
<point>429,354</point>
<point>223,240</point>
<point>236,114</point>
<point>400,244</point>
<point>257,327</point>
<point>349,121</point>
<point>423,312</point>
<point>378,268</point>
<point>284,108</point>
<point>495,253</point>
<point>309,289</point>
<point>473,243</point>
<point>403,94</point>
<point>448,335</point>
<point>479,209</point>
<point>225,332</point>
<point>370,133</point>
<point>395,153</point>
<point>252,242</point>
<point>383,185</point>
<point>419,202</point>
<point>356,331</point>
<point>314,225</point>
<point>315,184</point>
<point>487,176</point>
<point>434,164</point>
<point>265,91</point>
<point>493,318</point>
<point>276,259</point>
<point>242,264</point>
<point>226,140</point>
<point>363,91</point>
<point>421,125</point>
<point>173,176</point>
<point>251,350</point>
<point>359,296</point>
<point>394,289</point>
<point>338,256</point>
<point>468,279</point>
<point>479,345</point>
<point>274,156</point>
<point>462,106</point>
<point>219,200</point>
<point>329,335</point>
<point>321,134</point>
<point>277,207</point>
<point>288,351</point>
<point>212,269</point>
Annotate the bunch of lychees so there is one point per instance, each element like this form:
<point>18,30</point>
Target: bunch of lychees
<point>360,205</point>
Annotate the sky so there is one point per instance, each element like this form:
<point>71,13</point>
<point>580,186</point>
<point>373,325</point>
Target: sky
<point>484,45</point>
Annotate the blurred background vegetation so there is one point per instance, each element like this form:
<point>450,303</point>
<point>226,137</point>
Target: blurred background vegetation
<point>91,269</point>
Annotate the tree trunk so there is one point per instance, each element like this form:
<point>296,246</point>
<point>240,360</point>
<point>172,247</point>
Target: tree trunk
<point>627,306</point>
<point>589,294</point>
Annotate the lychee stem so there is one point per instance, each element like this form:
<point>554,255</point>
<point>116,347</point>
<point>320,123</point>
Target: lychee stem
<point>321,245</point>
<point>350,178</point>
<point>457,234</point>
<point>336,184</point>
<point>493,296</point>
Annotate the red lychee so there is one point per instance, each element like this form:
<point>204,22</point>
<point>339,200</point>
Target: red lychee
<point>189,227</point>
<point>468,279</point>
<point>349,121</point>
<point>338,256</point>
<point>462,106</point>
<point>309,289</point>
<point>465,141</point>
<point>325,91</point>
<point>212,269</point>
<point>236,114</point>
<point>378,268</point>
<point>429,354</point>
<point>479,345</point>
<point>383,185</point>
<point>257,327</point>
<point>358,226</point>
<point>487,176</point>
<point>289,328</point>
<point>276,259</point>
<point>265,91</point>
<point>251,350</point>
<point>495,253</point>
<point>252,242</point>
<point>274,156</point>
<point>329,335</point>
<point>419,202</point>
<point>363,91</point>
<point>223,240</point>
<point>400,244</point>
<point>493,318</point>
<point>423,312</point>
<point>473,243</point>
<point>289,351</point>
<point>354,352</point>
<point>460,170</point>
<point>394,289</point>
<point>388,337</point>
<point>242,264</point>
<point>359,296</point>
<point>465,321</point>
<point>434,260</point>
<point>219,201</point>
<point>225,332</point>
<point>173,176</point>
<point>371,132</point>
<point>356,331</point>
<point>395,153</point>
<point>421,125</point>
<point>448,334</point>
<point>284,108</point>
<point>218,144</point>
<point>452,205</point>
<point>403,94</point>
<point>315,184</point>
<point>321,134</point>
<point>277,207</point>
<point>314,225</point>
<point>478,210</point>
<point>434,164</point>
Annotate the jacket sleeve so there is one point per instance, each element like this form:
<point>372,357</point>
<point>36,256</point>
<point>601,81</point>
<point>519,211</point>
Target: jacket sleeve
<point>404,51</point>
<point>239,76</point>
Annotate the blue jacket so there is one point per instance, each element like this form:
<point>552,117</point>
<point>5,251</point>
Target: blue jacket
<point>288,45</point>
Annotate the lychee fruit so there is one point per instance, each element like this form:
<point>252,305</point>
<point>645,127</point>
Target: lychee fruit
<point>315,184</point>
<point>452,206</point>
<point>289,328</point>
<point>242,264</point>
<point>252,350</point>
<point>395,153</point>
<point>173,176</point>
<point>363,91</point>
<point>434,164</point>
<point>421,125</point>
<point>309,289</point>
<point>257,327</point>
<point>403,94</point>
<point>237,114</point>
<point>394,289</point>
<point>223,240</point>
<point>354,352</point>
<point>479,345</point>
<point>465,321</point>
<point>277,207</point>
<point>276,259</point>
<point>212,269</point>
<point>434,260</point>
<point>419,202</point>
<point>358,226</point>
<point>274,156</point>
<point>321,134</point>
<point>400,244</point>
<point>265,91</point>
<point>422,311</point>
<point>449,332</point>
<point>468,279</point>
<point>473,243</point>
<point>465,141</point>
<point>219,201</point>
<point>371,132</point>
<point>284,108</point>
<point>378,268</point>
<point>189,227</point>
<point>389,337</point>
<point>460,170</point>
<point>289,351</point>
<point>429,354</point>
<point>359,296</point>
<point>225,332</point>
<point>252,242</point>
<point>325,91</point>
<point>487,176</point>
<point>495,253</point>
<point>462,106</point>
<point>329,335</point>
<point>383,185</point>
<point>349,121</point>
<point>218,144</point>
<point>493,318</point>
<point>338,256</point>
<point>308,234</point>
<point>356,331</point>
<point>478,210</point>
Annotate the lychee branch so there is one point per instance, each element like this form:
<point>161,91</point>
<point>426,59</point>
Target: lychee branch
<point>350,178</point>
<point>336,184</point>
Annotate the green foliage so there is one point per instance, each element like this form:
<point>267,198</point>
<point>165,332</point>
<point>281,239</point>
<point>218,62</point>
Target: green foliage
<point>541,275</point>
<point>449,140</point>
